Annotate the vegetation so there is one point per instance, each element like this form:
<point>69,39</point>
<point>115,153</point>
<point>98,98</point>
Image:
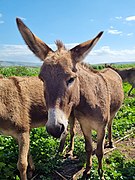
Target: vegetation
<point>120,66</point>
<point>18,71</point>
<point>44,148</point>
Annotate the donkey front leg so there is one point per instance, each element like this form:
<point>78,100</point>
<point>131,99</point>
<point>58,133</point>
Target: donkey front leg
<point>31,166</point>
<point>72,134</point>
<point>62,143</point>
<point>100,150</point>
<point>23,141</point>
<point>88,145</point>
<point>89,150</point>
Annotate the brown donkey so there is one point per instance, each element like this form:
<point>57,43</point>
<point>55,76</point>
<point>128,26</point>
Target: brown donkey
<point>22,107</point>
<point>127,75</point>
<point>95,96</point>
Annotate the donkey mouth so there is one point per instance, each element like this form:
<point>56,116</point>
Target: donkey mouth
<point>57,123</point>
<point>56,131</point>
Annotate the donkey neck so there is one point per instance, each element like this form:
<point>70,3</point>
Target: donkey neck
<point>94,94</point>
<point>124,74</point>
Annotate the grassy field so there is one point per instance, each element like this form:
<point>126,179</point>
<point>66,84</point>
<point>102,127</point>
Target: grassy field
<point>44,148</point>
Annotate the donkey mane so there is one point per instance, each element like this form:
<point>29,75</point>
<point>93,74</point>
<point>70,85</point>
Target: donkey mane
<point>89,67</point>
<point>60,45</point>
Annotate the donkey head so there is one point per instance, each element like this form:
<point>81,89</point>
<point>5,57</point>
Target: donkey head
<point>59,74</point>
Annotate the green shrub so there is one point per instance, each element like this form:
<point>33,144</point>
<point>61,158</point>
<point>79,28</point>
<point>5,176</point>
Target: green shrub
<point>19,71</point>
<point>44,148</point>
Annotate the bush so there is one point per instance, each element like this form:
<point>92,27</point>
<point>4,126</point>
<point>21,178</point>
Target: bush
<point>44,148</point>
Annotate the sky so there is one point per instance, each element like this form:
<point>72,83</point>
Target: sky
<point>72,22</point>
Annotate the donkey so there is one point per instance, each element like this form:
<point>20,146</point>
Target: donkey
<point>22,107</point>
<point>127,75</point>
<point>93,96</point>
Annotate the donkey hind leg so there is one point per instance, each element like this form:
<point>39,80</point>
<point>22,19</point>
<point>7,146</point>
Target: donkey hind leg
<point>23,141</point>
<point>129,92</point>
<point>109,127</point>
<point>31,166</point>
<point>100,150</point>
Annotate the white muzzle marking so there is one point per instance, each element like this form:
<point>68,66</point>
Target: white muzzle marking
<point>56,116</point>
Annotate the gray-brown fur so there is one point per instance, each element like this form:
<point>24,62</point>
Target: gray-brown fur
<point>22,107</point>
<point>94,97</point>
<point>127,75</point>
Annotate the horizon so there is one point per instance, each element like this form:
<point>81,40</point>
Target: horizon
<point>73,22</point>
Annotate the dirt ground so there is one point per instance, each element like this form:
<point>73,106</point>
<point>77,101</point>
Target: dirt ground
<point>71,169</point>
<point>127,147</point>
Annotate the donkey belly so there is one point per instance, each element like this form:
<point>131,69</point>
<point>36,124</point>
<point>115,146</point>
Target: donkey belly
<point>7,128</point>
<point>38,115</point>
<point>90,122</point>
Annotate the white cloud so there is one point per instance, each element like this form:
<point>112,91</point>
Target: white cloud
<point>130,34</point>
<point>130,18</point>
<point>10,52</point>
<point>91,20</point>
<point>21,54</point>
<point>114,31</point>
<point>1,21</point>
<point>118,17</point>
<point>107,55</point>
<point>111,27</point>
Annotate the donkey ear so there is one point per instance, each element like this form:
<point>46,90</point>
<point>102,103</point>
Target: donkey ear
<point>37,46</point>
<point>79,52</point>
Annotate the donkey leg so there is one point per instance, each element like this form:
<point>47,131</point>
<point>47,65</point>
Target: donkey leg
<point>88,145</point>
<point>62,142</point>
<point>23,141</point>
<point>109,127</point>
<point>100,150</point>
<point>129,92</point>
<point>88,148</point>
<point>110,134</point>
<point>72,134</point>
<point>31,166</point>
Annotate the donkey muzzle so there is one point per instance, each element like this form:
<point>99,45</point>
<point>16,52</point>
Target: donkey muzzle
<point>57,123</point>
<point>56,130</point>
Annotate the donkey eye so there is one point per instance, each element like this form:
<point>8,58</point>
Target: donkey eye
<point>70,81</point>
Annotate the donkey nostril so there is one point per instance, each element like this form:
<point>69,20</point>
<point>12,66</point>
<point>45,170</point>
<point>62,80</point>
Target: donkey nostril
<point>62,128</point>
<point>56,131</point>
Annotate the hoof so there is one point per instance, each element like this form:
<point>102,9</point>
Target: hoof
<point>86,175</point>
<point>30,174</point>
<point>101,174</point>
<point>70,153</point>
<point>110,145</point>
<point>93,152</point>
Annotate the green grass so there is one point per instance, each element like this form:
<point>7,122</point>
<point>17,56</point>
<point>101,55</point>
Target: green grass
<point>44,148</point>
<point>115,65</point>
<point>19,71</point>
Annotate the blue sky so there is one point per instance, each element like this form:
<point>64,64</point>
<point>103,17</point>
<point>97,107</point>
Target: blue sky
<point>73,22</point>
